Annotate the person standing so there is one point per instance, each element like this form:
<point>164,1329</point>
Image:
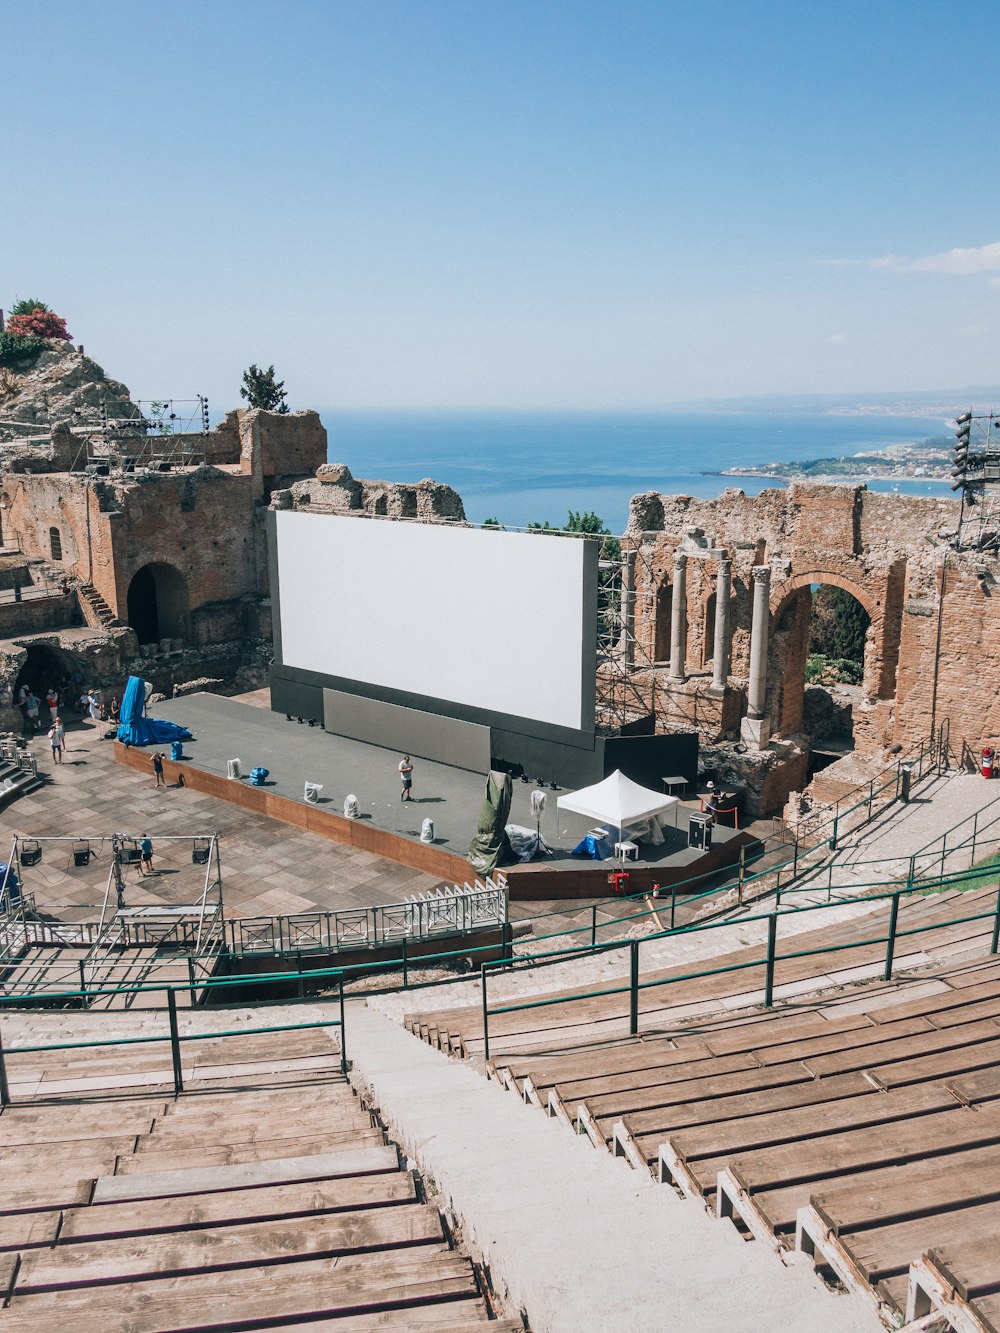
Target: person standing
<point>57,739</point>
<point>406,777</point>
<point>158,770</point>
<point>31,710</point>
<point>146,854</point>
<point>52,703</point>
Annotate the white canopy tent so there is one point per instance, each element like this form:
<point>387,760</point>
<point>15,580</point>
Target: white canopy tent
<point>616,802</point>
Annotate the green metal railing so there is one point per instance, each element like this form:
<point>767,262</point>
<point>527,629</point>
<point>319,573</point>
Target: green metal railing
<point>965,880</point>
<point>173,1035</point>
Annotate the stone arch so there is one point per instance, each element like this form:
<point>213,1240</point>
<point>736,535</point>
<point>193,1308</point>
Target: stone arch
<point>791,614</point>
<point>158,603</point>
<point>45,665</point>
<point>787,588</point>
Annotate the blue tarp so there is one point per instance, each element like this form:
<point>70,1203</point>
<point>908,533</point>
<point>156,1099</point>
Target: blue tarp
<point>135,729</point>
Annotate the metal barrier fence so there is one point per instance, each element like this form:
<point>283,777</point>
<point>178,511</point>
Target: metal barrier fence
<point>173,1034</point>
<point>772,957</point>
<point>457,911</point>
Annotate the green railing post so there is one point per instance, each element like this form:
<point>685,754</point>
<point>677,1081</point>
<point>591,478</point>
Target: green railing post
<point>508,947</point>
<point>995,942</point>
<point>795,858</point>
<point>871,796</point>
<point>343,1030</point>
<point>890,945</point>
<point>633,988</point>
<point>673,904</point>
<point>4,1085</point>
<point>83,984</point>
<point>944,845</point>
<point>300,986</point>
<point>486,1015</point>
<point>406,965</point>
<point>175,1044</point>
<point>833,832</point>
<point>911,873</point>
<point>975,822</point>
<point>593,926</point>
<point>772,939</point>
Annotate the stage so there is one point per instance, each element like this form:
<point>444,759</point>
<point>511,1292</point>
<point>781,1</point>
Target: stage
<point>294,754</point>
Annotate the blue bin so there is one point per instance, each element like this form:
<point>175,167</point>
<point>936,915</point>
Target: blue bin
<point>176,749</point>
<point>11,890</point>
<point>258,776</point>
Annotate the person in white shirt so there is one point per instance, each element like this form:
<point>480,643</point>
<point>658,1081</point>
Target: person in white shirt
<point>406,775</point>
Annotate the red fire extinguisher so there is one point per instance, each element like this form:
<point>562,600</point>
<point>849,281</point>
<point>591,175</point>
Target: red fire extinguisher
<point>988,755</point>
<point>619,880</point>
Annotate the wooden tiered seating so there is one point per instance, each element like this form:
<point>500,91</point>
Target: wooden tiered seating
<point>271,1201</point>
<point>665,1000</point>
<point>864,1127</point>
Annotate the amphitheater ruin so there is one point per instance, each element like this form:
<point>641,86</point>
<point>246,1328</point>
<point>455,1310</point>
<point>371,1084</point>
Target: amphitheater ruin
<point>297,1076</point>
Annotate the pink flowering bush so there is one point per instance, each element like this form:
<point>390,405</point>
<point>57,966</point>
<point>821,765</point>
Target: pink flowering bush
<point>38,323</point>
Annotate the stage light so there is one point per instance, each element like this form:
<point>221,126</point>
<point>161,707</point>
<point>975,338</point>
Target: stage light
<point>81,853</point>
<point>201,850</point>
<point>30,853</point>
<point>525,778</point>
<point>288,717</point>
<point>554,786</point>
<point>300,720</point>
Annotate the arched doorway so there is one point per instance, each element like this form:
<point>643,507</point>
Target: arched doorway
<point>824,675</point>
<point>47,666</point>
<point>55,544</point>
<point>158,603</point>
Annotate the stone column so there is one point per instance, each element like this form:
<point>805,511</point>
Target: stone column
<point>678,619</point>
<point>720,671</point>
<point>756,729</point>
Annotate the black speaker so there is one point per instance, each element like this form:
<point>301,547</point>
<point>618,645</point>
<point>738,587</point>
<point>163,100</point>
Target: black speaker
<point>700,832</point>
<point>200,853</point>
<point>81,853</point>
<point>30,853</point>
<point>129,856</point>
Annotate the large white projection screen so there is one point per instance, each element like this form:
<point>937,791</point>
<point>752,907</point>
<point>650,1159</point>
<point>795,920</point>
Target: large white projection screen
<point>498,621</point>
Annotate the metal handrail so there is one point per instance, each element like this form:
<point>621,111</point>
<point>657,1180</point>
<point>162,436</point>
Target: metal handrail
<point>769,961</point>
<point>174,1037</point>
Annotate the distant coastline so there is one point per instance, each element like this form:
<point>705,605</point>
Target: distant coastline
<point>929,460</point>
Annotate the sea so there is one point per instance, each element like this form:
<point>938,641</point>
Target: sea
<point>523,468</point>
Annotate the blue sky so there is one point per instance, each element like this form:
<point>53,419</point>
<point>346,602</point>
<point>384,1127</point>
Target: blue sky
<point>454,203</point>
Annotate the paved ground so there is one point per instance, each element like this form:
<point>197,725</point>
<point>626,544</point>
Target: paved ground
<point>268,868</point>
<point>573,1236</point>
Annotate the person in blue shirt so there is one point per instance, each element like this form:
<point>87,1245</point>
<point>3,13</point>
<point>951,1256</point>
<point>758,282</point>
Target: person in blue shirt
<point>146,852</point>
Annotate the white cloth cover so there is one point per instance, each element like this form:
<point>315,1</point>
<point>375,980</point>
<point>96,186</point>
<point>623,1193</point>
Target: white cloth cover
<point>351,807</point>
<point>427,831</point>
<point>525,843</point>
<point>538,802</point>
<point>312,791</point>
<point>617,801</point>
<point>647,830</point>
<point>234,769</point>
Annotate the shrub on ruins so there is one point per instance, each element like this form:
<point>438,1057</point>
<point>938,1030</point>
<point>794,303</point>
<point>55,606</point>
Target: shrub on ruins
<point>823,670</point>
<point>261,389</point>
<point>15,348</point>
<point>839,625</point>
<point>34,319</point>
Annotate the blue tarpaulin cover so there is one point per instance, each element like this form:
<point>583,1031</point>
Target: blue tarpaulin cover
<point>135,729</point>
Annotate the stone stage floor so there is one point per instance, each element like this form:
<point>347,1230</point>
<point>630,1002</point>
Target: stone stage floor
<point>269,868</point>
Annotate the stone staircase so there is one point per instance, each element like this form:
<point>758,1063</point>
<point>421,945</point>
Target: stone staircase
<point>96,611</point>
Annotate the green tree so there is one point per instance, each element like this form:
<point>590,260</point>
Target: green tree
<point>261,389</point>
<point>28,307</point>
<point>839,625</point>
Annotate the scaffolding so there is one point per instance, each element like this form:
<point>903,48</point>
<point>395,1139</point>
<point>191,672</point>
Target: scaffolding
<point>978,477</point>
<point>626,690</point>
<point>159,435</point>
